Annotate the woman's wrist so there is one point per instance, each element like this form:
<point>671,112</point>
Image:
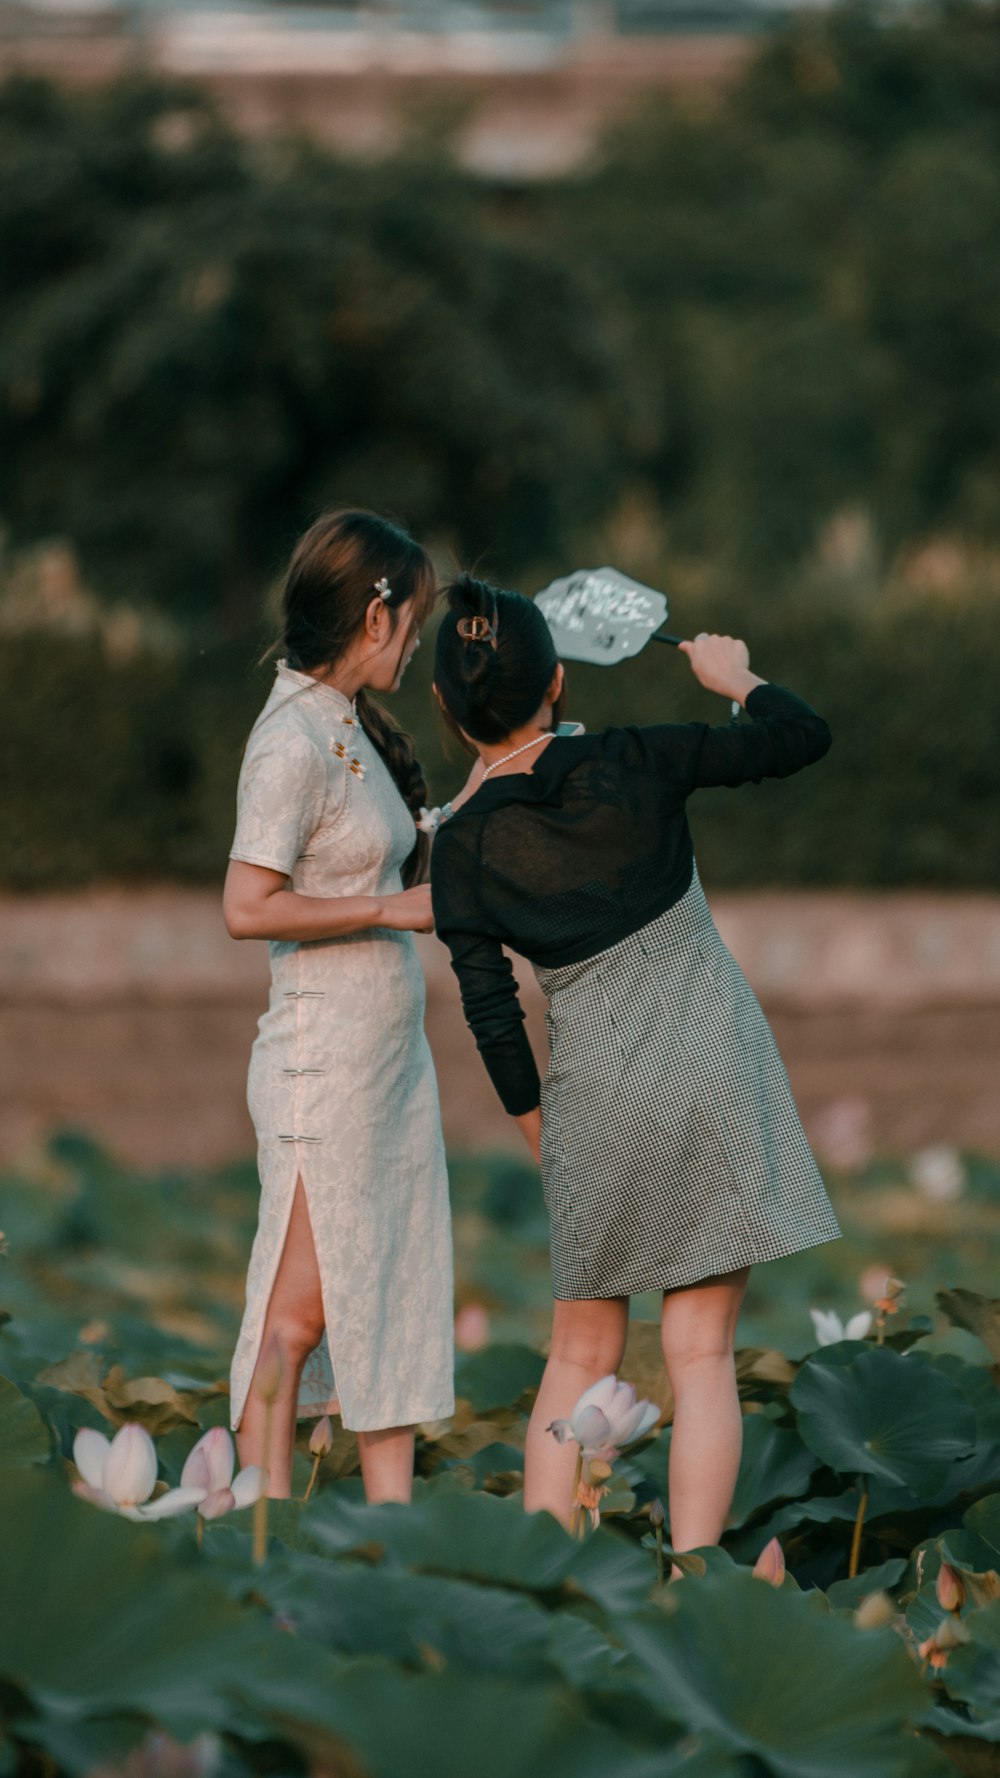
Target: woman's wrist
<point>743,684</point>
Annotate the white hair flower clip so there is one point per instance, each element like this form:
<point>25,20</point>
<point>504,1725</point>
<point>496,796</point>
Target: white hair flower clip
<point>383,588</point>
<point>429,820</point>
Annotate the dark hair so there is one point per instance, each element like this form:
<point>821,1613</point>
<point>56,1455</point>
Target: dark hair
<point>493,682</point>
<point>329,585</point>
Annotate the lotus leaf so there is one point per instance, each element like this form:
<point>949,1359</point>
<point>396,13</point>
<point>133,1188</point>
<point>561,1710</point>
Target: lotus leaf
<point>136,1628</point>
<point>869,1411</point>
<point>972,1673</point>
<point>716,1662</point>
<point>450,1723</point>
<point>24,1436</point>
<point>497,1375</point>
<point>774,1465</point>
<point>873,1580</point>
<point>450,1531</point>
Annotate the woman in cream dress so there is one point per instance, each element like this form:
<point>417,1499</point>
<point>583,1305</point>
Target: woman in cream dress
<point>350,1276</point>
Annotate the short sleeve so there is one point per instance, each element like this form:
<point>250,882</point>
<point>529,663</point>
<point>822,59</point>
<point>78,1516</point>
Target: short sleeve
<point>279,799</point>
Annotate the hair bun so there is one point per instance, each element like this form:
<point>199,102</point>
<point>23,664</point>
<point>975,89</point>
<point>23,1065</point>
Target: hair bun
<point>474,603</point>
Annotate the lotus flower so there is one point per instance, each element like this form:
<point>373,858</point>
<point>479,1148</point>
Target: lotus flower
<point>120,1475</point>
<point>830,1328</point>
<point>209,1469</point>
<point>606,1417</point>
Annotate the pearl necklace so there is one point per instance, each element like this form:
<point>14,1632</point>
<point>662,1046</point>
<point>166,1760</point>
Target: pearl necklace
<point>502,761</point>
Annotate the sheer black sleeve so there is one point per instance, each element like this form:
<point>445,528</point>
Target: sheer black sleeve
<point>486,979</point>
<point>784,734</point>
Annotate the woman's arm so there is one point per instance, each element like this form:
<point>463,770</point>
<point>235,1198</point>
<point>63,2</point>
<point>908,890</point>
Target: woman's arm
<point>490,1000</point>
<point>784,733</point>
<point>257,903</point>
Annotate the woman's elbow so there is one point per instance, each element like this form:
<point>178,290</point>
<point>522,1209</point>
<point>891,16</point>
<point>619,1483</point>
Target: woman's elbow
<point>240,920</point>
<point>822,738</point>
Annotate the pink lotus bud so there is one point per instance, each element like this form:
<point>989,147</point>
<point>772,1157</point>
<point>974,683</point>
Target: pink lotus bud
<point>770,1564</point>
<point>657,1516</point>
<point>321,1438</point>
<point>950,1588</point>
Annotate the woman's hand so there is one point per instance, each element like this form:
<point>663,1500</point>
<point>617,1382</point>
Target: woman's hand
<point>408,911</point>
<point>722,664</point>
<point>530,1126</point>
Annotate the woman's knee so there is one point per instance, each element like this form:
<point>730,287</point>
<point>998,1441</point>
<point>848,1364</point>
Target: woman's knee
<point>296,1331</point>
<point>594,1343</point>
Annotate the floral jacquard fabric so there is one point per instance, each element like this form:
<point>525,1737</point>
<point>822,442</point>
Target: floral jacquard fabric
<point>341,1087</point>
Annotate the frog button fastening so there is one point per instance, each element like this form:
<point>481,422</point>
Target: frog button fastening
<point>353,762</point>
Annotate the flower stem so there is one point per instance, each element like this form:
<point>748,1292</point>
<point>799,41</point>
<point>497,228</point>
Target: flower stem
<point>260,1504</point>
<point>312,1479</point>
<point>576,1515</point>
<point>856,1539</point>
<point>200,1534</point>
<point>659,1555</point>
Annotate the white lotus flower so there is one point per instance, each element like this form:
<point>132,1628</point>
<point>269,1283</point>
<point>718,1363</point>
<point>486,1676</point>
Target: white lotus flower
<point>606,1417</point>
<point>209,1468</point>
<point>830,1328</point>
<point>120,1475</point>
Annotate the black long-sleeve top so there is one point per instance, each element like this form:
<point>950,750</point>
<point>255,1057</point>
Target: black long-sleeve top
<point>561,861</point>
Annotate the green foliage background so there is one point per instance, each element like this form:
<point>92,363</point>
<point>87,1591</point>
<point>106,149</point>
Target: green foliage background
<point>750,354</point>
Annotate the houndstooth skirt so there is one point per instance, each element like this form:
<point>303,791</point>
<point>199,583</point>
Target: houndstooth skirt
<point>671,1146</point>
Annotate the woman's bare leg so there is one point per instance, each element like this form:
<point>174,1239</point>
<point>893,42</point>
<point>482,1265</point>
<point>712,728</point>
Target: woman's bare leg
<point>588,1341</point>
<point>699,1330</point>
<point>294,1326</point>
<point>387,1463</point>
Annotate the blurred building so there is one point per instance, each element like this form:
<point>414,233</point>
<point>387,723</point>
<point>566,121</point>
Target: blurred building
<point>538,79</point>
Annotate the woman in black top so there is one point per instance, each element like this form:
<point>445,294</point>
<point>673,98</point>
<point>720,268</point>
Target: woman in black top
<point>671,1151</point>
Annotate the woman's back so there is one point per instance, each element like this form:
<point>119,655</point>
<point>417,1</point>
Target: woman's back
<point>561,861</point>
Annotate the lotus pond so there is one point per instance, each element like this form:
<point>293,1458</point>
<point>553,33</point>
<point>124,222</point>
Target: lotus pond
<point>457,1635</point>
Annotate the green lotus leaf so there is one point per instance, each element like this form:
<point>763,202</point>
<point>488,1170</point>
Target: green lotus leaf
<point>977,1545</point>
<point>136,1629</point>
<point>497,1375</point>
<point>717,1661</point>
<point>872,1580</point>
<point>78,1746</point>
<point>774,1465</point>
<point>24,1436</point>
<point>398,1615</point>
<point>884,1414</point>
<point>482,1536</point>
<point>972,1673</point>
<point>960,1723</point>
<point>451,1723</point>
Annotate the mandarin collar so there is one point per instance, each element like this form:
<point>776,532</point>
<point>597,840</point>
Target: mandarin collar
<point>345,705</point>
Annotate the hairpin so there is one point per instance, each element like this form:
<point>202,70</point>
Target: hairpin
<point>477,629</point>
<point>430,820</point>
<point>383,588</point>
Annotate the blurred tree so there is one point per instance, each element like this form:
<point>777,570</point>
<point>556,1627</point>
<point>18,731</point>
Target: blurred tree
<point>206,342</point>
<point>811,271</point>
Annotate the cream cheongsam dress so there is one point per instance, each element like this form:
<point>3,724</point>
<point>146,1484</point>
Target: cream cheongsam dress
<point>342,1088</point>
